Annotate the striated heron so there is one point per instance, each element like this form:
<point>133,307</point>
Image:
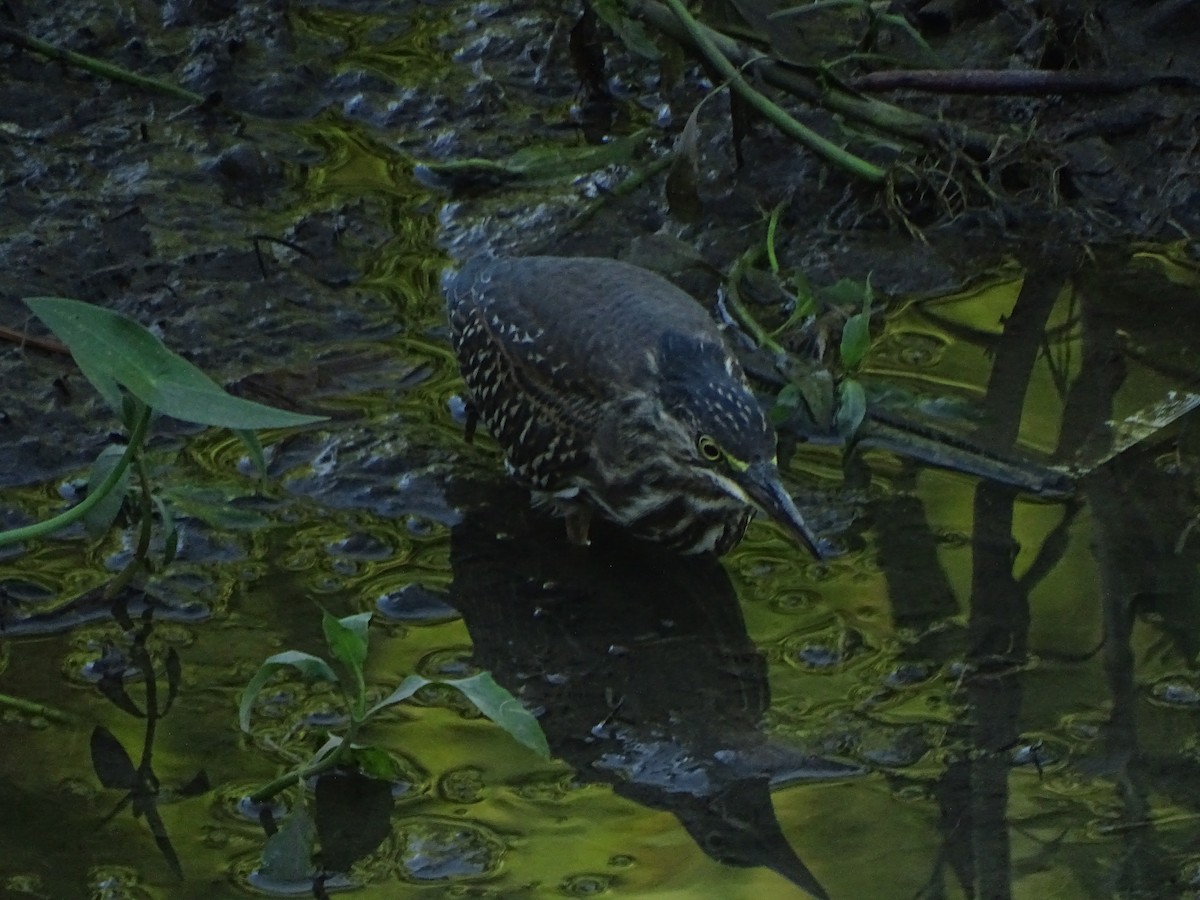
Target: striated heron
<point>612,391</point>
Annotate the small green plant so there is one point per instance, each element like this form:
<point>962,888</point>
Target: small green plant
<point>835,403</point>
<point>852,351</point>
<point>348,643</point>
<point>139,377</point>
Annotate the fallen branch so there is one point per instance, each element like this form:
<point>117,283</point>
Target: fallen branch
<point>1030,82</point>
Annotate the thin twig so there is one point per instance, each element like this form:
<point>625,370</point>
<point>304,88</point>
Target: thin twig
<point>23,340</point>
<point>97,66</point>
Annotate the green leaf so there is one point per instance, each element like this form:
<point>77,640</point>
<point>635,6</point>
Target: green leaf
<point>817,390</point>
<point>504,709</point>
<point>311,668</point>
<point>287,854</point>
<point>347,639</point>
<point>631,32</point>
<point>407,688</point>
<point>113,349</point>
<point>100,517</point>
<point>845,292</point>
<point>852,408</point>
<point>529,164</point>
<point>377,763</point>
<point>856,340</point>
<point>214,507</point>
<point>785,404</point>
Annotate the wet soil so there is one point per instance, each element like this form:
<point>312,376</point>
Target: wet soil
<point>204,222</point>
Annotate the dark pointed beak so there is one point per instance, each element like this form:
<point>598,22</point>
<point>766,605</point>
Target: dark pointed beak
<point>761,482</point>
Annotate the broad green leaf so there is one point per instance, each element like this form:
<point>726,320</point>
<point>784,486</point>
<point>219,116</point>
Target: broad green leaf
<point>347,638</point>
<point>407,688</point>
<point>100,517</point>
<point>852,408</point>
<point>112,349</point>
<point>311,668</point>
<point>504,709</point>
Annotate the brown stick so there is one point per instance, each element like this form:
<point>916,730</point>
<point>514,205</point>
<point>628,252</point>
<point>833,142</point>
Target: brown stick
<point>1035,82</point>
<point>21,339</point>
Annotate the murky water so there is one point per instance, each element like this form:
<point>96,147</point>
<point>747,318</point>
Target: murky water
<point>991,694</point>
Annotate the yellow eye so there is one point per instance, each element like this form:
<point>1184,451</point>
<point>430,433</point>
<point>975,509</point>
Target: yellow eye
<point>708,448</point>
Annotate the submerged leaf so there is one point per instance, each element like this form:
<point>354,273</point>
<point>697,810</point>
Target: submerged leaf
<point>214,507</point>
<point>169,529</point>
<point>112,764</point>
<point>100,517</point>
<point>113,349</point>
<point>287,854</point>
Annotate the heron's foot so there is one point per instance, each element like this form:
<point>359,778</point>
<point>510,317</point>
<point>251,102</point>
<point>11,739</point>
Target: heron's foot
<point>579,519</point>
<point>471,423</point>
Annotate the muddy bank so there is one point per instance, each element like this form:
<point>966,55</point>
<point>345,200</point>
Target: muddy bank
<point>279,222</point>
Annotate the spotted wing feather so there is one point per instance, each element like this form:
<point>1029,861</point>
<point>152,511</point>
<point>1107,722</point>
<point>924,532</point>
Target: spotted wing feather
<point>523,387</point>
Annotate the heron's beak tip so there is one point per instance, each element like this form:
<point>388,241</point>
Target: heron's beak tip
<point>762,483</point>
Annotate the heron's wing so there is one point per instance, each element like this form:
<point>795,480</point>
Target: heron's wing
<point>539,399</point>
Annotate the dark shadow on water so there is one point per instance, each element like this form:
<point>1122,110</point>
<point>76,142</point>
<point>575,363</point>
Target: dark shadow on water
<point>642,667</point>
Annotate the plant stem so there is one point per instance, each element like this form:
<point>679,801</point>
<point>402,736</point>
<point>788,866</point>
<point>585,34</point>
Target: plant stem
<point>814,85</point>
<point>97,66</point>
<point>40,529</point>
<point>772,225</point>
<point>733,299</point>
<point>37,709</point>
<point>772,112</point>
<point>145,530</point>
<point>324,764</point>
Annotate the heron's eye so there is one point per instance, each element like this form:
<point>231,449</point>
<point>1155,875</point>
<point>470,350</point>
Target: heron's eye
<point>708,448</point>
